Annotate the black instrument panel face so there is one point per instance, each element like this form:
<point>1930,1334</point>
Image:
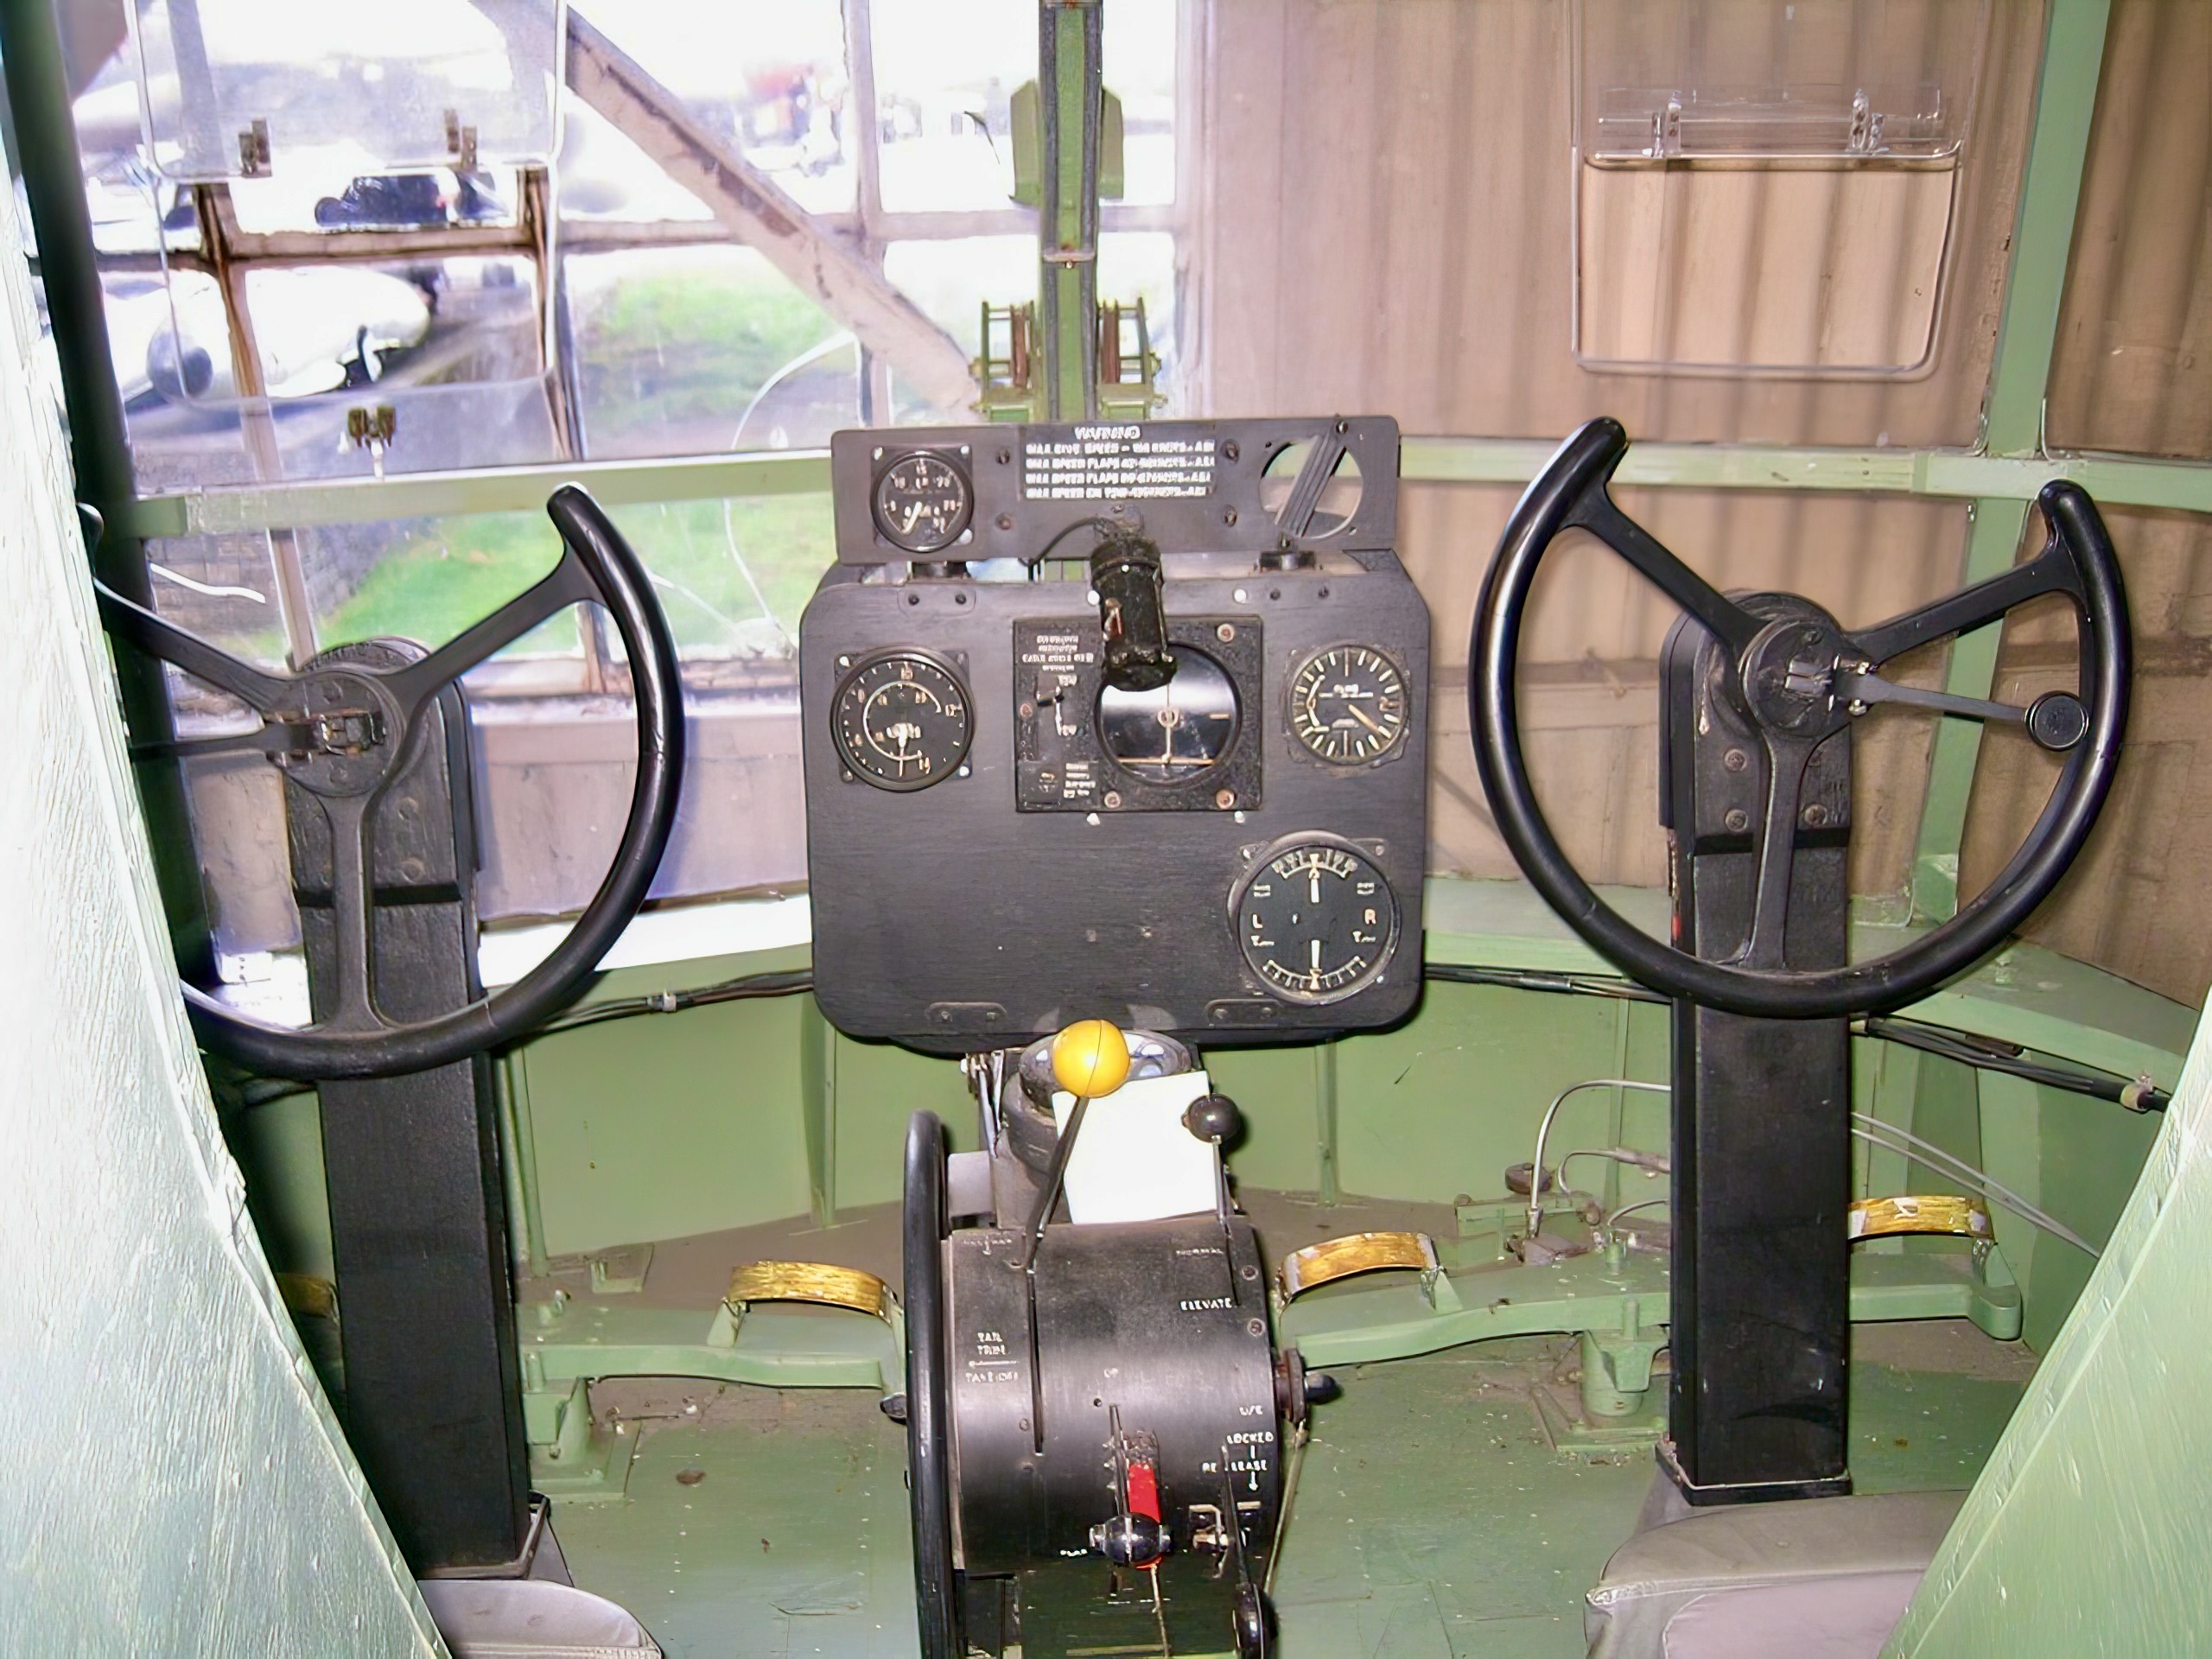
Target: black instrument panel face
<point>902,719</point>
<point>1193,745</point>
<point>922,499</point>
<point>1316,919</point>
<point>1000,842</point>
<point>1348,704</point>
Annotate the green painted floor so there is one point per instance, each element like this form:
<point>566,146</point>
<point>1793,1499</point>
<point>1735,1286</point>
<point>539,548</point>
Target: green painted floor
<point>1430,1517</point>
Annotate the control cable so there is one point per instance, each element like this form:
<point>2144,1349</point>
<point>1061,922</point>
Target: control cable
<point>1907,1144</point>
<point>2137,1094</point>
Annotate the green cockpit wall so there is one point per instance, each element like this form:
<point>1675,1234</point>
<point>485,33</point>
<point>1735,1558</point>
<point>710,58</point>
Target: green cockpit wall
<point>695,1090</point>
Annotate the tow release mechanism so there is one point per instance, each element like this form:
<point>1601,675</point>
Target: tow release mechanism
<point>1111,1407</point>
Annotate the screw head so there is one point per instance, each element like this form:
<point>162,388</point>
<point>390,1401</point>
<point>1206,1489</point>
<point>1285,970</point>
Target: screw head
<point>1113,797</point>
<point>1228,450</point>
<point>1226,632</point>
<point>1224,798</point>
<point>1815,815</point>
<point>1735,760</point>
<point>1006,521</point>
<point>1737,819</point>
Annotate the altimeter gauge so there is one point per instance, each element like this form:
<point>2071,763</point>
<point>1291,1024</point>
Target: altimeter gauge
<point>902,721</point>
<point>1348,705</point>
<point>923,501</point>
<point>1316,919</point>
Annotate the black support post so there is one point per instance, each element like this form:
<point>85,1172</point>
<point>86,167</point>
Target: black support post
<point>433,1402</point>
<point>1761,1293</point>
<point>40,97</point>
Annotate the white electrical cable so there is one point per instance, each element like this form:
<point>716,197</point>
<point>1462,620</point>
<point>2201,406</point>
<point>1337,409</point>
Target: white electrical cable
<point>1544,1128</point>
<point>1959,1170</point>
<point>1869,1129</point>
<point>1641,1203</point>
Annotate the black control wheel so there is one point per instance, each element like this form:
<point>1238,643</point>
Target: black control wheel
<point>342,730</point>
<point>928,1395</point>
<point>1800,681</point>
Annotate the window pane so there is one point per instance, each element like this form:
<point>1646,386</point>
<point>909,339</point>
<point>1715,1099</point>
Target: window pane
<point>224,589</point>
<point>452,346</point>
<point>950,280</point>
<point>360,89</point>
<point>170,342</point>
<point>768,78</point>
<point>943,90</point>
<point>734,575</point>
<point>604,176</point>
<point>372,199</point>
<point>700,351</point>
<point>1140,265</point>
<point>427,579</point>
<point>1141,52</point>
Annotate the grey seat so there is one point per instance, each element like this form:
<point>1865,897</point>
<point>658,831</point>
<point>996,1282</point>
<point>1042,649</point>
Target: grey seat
<point>532,1618</point>
<point>1821,1579</point>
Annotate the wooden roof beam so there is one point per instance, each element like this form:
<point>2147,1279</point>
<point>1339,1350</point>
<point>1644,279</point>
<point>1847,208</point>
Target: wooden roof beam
<point>823,265</point>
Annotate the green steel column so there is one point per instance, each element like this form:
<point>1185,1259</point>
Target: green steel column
<point>1069,106</point>
<point>818,1083</point>
<point>2027,334</point>
<point>100,447</point>
<point>1329,1188</point>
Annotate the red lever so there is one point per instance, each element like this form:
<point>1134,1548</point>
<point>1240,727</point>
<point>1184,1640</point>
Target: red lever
<point>1144,1491</point>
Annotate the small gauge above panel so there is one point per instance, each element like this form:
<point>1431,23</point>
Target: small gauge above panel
<point>923,501</point>
<point>1316,919</point>
<point>1175,732</point>
<point>1348,705</point>
<point>902,721</point>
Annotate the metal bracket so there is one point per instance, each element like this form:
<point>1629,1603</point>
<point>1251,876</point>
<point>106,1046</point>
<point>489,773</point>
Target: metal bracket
<point>460,142</point>
<point>253,151</point>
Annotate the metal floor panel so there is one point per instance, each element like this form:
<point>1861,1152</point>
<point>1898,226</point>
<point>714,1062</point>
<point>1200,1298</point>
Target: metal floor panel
<point>1431,1520</point>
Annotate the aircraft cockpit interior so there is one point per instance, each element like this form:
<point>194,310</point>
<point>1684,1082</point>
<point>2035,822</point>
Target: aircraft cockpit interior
<point>1046,829</point>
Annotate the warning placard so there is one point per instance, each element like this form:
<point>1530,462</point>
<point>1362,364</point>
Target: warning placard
<point>1115,463</point>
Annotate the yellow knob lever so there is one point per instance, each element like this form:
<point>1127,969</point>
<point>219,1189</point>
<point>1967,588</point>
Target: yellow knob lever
<point>1091,1058</point>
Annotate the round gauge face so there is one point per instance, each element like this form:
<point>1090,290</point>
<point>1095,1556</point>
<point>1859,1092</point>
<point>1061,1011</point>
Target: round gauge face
<point>902,721</point>
<point>1176,732</point>
<point>1317,920</point>
<point>923,502</point>
<point>1348,705</point>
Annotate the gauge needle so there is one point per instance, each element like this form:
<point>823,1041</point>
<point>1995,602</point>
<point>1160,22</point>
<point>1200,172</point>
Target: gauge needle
<point>1360,714</point>
<point>913,512</point>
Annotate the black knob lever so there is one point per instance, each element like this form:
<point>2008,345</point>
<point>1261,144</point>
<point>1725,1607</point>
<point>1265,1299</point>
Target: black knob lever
<point>1214,1119</point>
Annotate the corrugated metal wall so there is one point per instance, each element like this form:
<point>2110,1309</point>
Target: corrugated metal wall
<point>2134,372</point>
<point>1385,225</point>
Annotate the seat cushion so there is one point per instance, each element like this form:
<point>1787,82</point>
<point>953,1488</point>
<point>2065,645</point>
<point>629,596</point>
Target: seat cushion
<point>1823,1578</point>
<point>532,1618</point>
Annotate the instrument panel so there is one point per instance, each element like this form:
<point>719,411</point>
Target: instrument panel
<point>1008,831</point>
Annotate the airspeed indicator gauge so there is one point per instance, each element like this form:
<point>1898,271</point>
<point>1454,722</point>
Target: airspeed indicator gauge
<point>1348,705</point>
<point>923,501</point>
<point>902,721</point>
<point>1316,919</point>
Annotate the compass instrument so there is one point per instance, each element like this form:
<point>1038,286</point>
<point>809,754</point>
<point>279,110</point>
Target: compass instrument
<point>901,720</point>
<point>1348,705</point>
<point>1316,919</point>
<point>1175,731</point>
<point>923,501</point>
